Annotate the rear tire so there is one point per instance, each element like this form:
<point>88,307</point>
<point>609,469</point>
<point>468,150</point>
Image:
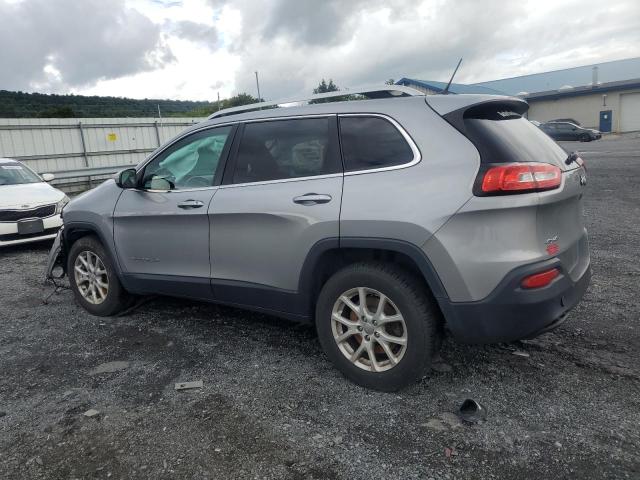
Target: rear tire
<point>346,331</point>
<point>93,279</point>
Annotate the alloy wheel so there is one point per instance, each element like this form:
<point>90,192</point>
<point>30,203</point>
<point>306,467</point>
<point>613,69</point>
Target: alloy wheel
<point>91,277</point>
<point>369,329</point>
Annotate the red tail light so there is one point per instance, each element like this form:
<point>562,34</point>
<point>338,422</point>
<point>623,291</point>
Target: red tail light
<point>521,177</point>
<point>539,280</point>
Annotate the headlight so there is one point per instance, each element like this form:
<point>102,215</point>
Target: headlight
<point>60,205</point>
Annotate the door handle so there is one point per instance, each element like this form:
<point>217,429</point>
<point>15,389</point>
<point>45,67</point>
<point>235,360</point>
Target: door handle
<point>189,204</point>
<point>312,199</point>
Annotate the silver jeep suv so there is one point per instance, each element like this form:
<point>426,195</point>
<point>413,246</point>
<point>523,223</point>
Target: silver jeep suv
<point>385,221</point>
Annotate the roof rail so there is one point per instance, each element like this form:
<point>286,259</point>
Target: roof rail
<point>383,91</point>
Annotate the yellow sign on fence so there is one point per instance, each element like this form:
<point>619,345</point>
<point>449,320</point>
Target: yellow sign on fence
<point>112,137</point>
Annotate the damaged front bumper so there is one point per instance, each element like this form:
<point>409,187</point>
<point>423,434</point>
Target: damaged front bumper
<point>56,264</point>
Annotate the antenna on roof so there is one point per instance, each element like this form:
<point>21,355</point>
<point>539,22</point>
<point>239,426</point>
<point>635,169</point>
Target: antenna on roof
<point>446,89</point>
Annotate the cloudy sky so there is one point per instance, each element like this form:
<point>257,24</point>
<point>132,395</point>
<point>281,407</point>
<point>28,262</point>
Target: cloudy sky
<point>193,49</point>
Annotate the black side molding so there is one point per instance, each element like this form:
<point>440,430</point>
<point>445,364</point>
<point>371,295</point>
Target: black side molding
<point>298,305</point>
<point>71,227</point>
<point>312,264</point>
<point>412,251</point>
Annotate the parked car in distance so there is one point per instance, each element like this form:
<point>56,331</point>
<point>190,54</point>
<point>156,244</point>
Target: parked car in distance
<point>382,221</point>
<point>570,120</point>
<point>29,207</point>
<point>569,131</point>
<point>535,122</point>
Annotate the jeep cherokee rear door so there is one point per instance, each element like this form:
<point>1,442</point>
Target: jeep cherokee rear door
<point>281,194</point>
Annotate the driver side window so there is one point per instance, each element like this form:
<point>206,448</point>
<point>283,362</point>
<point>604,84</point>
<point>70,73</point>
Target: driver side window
<point>189,163</point>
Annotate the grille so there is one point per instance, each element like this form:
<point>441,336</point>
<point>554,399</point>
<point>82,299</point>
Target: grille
<point>38,212</point>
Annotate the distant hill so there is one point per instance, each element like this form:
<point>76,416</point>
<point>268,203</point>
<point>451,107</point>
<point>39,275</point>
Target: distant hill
<point>39,105</point>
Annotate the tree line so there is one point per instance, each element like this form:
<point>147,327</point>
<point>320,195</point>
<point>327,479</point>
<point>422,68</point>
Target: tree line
<point>42,105</point>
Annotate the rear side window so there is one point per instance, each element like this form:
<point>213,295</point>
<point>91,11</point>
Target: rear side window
<point>372,142</point>
<point>283,149</point>
<point>503,136</point>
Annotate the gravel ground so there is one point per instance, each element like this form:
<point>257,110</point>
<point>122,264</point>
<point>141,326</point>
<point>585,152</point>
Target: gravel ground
<point>273,407</point>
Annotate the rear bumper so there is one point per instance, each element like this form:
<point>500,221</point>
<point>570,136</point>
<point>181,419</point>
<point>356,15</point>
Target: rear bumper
<point>513,313</point>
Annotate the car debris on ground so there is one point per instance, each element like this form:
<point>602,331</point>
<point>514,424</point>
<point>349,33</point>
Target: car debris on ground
<point>110,367</point>
<point>472,411</point>
<point>189,385</point>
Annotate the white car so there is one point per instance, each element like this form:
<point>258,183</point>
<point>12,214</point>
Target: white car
<point>29,207</point>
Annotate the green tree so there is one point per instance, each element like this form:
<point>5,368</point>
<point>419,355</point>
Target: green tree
<point>391,81</point>
<point>238,100</point>
<point>235,101</point>
<point>30,105</point>
<point>63,111</point>
<point>324,87</point>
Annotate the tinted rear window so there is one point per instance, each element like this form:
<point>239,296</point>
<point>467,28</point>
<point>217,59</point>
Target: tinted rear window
<point>512,139</point>
<point>372,142</point>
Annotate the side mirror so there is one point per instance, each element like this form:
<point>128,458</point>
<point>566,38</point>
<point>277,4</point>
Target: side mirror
<point>128,178</point>
<point>47,177</point>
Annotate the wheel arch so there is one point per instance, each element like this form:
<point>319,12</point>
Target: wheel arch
<point>76,230</point>
<point>330,255</point>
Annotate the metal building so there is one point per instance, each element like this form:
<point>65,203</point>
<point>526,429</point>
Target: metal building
<point>431,87</point>
<point>605,96</point>
<point>609,107</point>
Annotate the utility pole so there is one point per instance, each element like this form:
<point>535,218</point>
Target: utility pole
<point>218,101</point>
<point>161,128</point>
<point>258,85</point>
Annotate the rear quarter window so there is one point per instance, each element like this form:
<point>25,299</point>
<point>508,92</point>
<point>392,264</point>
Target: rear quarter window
<point>512,139</point>
<point>372,142</point>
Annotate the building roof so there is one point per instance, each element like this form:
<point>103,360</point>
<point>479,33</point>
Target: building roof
<point>454,88</point>
<point>607,72</point>
<point>584,90</point>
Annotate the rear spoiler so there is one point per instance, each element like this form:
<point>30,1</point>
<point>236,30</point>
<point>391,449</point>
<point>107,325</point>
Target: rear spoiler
<point>454,109</point>
<point>444,104</point>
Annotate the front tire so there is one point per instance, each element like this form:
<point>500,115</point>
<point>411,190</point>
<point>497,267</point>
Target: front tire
<point>585,138</point>
<point>377,325</point>
<point>93,279</point>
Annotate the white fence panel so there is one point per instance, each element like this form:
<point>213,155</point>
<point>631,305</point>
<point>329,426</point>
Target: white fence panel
<point>60,145</point>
